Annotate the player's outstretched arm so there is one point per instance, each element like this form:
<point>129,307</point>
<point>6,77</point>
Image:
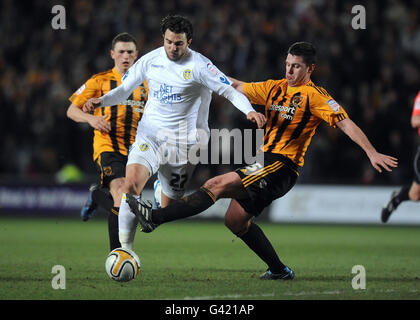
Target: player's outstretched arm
<point>253,116</point>
<point>130,81</point>
<point>378,160</point>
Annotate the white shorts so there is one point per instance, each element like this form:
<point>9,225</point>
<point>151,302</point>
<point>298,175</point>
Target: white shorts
<point>171,164</point>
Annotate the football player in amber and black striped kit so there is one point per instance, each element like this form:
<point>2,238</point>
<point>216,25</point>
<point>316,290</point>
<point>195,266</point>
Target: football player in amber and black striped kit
<point>114,129</point>
<point>294,107</point>
<point>409,192</point>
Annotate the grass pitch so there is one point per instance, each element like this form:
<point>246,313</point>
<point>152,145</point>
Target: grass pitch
<point>203,260</point>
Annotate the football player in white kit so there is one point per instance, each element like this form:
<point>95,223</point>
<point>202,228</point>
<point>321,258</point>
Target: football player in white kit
<point>181,82</point>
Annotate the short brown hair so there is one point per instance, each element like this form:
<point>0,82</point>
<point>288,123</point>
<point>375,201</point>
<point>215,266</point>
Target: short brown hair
<point>123,37</point>
<point>305,50</point>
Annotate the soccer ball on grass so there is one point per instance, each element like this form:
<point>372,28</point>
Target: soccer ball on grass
<point>122,265</point>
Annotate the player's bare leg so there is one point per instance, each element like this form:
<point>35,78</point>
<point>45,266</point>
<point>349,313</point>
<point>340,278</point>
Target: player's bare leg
<point>406,193</point>
<point>414,192</point>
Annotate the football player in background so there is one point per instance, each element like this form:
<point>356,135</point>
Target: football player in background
<point>114,127</point>
<point>408,192</point>
<point>294,107</point>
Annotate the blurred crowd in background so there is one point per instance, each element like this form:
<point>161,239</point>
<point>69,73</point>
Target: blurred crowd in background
<point>374,73</point>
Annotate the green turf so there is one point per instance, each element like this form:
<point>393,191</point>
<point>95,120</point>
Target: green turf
<point>203,260</point>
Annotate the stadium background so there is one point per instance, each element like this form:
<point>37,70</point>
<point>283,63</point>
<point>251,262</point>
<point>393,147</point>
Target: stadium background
<point>374,73</point>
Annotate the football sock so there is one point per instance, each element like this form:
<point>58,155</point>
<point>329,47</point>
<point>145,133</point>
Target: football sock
<point>188,206</point>
<point>401,196</point>
<point>256,240</point>
<point>114,241</point>
<point>127,223</point>
<point>103,197</point>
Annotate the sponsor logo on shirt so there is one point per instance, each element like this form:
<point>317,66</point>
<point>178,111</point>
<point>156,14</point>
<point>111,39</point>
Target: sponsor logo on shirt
<point>333,105</point>
<point>285,112</point>
<point>166,95</point>
<point>133,104</point>
<point>223,79</point>
<point>212,69</point>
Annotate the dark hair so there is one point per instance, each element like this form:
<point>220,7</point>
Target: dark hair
<point>305,50</point>
<point>177,24</point>
<point>123,37</point>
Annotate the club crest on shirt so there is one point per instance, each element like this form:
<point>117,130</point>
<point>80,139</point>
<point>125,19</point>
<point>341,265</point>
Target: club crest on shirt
<point>187,74</point>
<point>296,101</point>
<point>107,171</point>
<point>144,146</point>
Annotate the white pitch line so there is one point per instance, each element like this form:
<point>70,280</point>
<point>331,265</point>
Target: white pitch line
<point>227,296</point>
<point>242,296</point>
<point>296,294</point>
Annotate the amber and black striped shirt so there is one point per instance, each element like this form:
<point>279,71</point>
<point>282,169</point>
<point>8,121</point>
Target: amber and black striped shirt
<point>123,117</point>
<point>293,114</point>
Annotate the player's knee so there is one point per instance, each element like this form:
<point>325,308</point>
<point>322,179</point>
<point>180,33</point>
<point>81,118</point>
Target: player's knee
<point>213,183</point>
<point>221,185</point>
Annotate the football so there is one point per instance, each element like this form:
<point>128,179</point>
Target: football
<point>122,265</point>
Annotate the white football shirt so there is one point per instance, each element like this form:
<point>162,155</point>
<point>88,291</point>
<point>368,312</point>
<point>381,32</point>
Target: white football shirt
<point>179,94</point>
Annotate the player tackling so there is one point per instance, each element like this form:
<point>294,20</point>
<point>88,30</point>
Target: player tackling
<point>180,82</point>
<point>294,108</point>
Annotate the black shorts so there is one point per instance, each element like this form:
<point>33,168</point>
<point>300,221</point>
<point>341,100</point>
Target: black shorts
<point>265,182</point>
<point>417,166</point>
<point>110,166</point>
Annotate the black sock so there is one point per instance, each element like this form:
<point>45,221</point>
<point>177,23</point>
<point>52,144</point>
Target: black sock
<point>401,196</point>
<point>258,242</point>
<point>184,208</point>
<point>114,240</point>
<point>103,197</point>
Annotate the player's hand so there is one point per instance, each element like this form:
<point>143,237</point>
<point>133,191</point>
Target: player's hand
<point>257,117</point>
<point>100,123</point>
<point>379,161</point>
<point>91,104</point>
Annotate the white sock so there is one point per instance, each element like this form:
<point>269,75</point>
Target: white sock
<point>127,224</point>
